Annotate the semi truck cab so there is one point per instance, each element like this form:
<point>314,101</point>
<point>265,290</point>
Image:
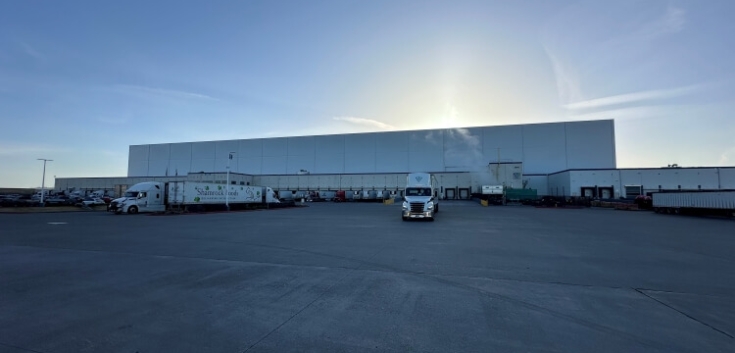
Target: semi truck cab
<point>141,197</point>
<point>420,197</point>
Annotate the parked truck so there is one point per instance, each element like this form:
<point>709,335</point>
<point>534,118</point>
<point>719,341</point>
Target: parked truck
<point>695,202</point>
<point>154,196</point>
<point>493,194</point>
<point>421,199</point>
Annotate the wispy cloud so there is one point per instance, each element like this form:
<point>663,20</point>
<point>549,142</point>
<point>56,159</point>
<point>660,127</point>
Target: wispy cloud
<point>164,92</point>
<point>567,80</point>
<point>365,122</point>
<point>634,97</point>
<point>672,21</point>
<point>28,49</point>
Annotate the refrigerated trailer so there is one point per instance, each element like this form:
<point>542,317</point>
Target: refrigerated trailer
<point>154,196</point>
<point>695,202</point>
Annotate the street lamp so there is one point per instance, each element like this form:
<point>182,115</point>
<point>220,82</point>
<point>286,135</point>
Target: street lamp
<point>43,179</point>
<point>227,188</point>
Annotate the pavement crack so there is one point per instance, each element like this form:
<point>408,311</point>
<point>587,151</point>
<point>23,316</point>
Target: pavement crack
<point>642,292</point>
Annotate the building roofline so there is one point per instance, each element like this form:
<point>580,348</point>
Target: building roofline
<point>390,131</point>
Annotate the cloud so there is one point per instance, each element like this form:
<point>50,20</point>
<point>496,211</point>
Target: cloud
<point>672,21</point>
<point>567,80</point>
<point>365,122</point>
<point>634,97</point>
<point>164,92</point>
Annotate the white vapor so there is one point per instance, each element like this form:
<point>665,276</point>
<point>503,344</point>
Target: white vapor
<point>164,92</point>
<point>365,122</point>
<point>634,97</point>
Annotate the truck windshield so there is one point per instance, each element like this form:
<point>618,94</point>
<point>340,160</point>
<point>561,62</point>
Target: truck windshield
<point>131,194</point>
<point>418,192</point>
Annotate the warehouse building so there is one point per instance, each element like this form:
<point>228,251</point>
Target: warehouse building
<point>565,159</point>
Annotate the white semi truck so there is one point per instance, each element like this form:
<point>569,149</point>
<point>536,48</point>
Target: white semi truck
<point>154,196</point>
<point>421,198</point>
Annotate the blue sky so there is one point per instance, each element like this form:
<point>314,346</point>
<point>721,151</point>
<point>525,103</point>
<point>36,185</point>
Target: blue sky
<point>80,81</point>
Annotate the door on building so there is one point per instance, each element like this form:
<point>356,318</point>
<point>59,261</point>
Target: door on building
<point>588,192</point>
<point>450,193</point>
<point>606,193</point>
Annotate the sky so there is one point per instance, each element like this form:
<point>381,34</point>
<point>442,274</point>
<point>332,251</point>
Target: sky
<point>80,81</point>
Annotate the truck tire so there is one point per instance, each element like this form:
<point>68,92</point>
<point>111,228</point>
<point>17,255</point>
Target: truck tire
<point>436,208</point>
<point>132,210</point>
<point>404,218</point>
<point>431,219</point>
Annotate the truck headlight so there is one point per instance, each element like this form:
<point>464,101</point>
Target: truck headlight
<point>405,205</point>
<point>430,205</point>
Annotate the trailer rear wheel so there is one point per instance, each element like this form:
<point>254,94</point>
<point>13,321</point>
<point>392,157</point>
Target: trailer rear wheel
<point>133,210</point>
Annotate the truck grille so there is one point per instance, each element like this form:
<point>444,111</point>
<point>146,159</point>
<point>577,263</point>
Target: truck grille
<point>417,207</point>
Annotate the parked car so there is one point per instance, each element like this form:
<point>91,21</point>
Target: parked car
<point>93,201</point>
<point>57,201</point>
<point>27,201</point>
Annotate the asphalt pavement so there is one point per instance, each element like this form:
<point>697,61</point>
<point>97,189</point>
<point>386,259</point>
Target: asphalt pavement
<point>355,278</point>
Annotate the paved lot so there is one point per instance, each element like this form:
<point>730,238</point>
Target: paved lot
<point>354,277</point>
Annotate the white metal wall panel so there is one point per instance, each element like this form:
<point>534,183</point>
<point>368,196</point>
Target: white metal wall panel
<point>138,152</point>
<point>292,182</point>
<point>391,142</point>
<point>391,162</point>
<point>180,151</point>
<point>203,150</point>
<point>329,144</point>
<point>274,165</point>
<point>160,152</point>
<point>249,165</point>
<point>463,150</point>
<point>539,160</point>
<point>509,139</point>
<point>295,163</point>
<point>590,144</point>
<point>223,149</point>
<point>275,147</point>
<point>559,184</point>
<point>329,163</point>
<point>202,165</point>
<point>250,148</point>
<point>544,148</point>
<point>158,167</point>
<point>538,182</point>
<point>502,136</point>
<point>220,164</point>
<point>426,151</point>
<point>360,161</point>
<point>301,146</point>
<point>727,178</point>
<point>137,167</point>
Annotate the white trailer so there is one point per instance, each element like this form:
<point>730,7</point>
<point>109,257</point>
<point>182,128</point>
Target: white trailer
<point>695,202</point>
<point>158,196</point>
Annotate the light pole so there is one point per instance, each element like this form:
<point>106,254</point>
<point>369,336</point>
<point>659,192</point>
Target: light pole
<point>43,179</point>
<point>227,188</point>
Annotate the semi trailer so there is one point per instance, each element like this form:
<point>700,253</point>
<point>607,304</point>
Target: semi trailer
<point>695,202</point>
<point>154,196</point>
